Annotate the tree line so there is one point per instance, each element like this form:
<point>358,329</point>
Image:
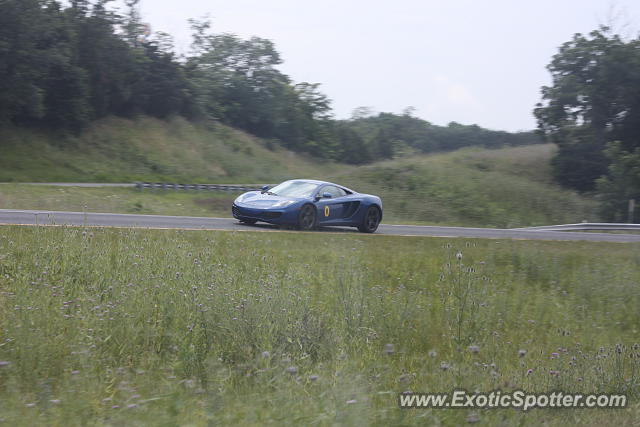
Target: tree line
<point>592,112</point>
<point>64,66</point>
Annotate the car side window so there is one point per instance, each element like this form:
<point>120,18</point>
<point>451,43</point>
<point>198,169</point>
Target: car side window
<point>333,190</point>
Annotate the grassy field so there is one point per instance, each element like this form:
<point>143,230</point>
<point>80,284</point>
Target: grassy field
<point>140,327</point>
<point>509,187</point>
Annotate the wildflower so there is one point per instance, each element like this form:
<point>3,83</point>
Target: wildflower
<point>522,353</point>
<point>265,354</point>
<point>432,353</point>
<point>406,378</point>
<point>4,363</point>
<point>473,418</point>
<point>351,402</point>
<point>529,371</point>
<point>132,405</point>
<point>459,256</point>
<point>554,355</point>
<point>55,401</point>
<point>474,349</point>
<point>313,377</point>
<point>292,370</point>
<point>389,349</point>
<point>444,366</point>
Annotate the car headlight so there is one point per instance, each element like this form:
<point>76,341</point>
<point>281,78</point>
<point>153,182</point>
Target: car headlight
<point>283,203</point>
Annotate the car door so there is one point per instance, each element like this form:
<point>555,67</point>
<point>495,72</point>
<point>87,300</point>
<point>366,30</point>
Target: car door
<point>330,209</point>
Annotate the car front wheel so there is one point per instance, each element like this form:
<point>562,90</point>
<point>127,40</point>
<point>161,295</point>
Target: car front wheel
<point>307,217</point>
<point>371,220</point>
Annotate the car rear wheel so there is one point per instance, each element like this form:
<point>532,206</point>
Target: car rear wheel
<point>371,220</point>
<point>307,217</point>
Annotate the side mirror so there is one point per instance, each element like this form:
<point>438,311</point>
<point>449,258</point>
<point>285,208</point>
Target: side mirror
<point>265,188</point>
<point>326,195</point>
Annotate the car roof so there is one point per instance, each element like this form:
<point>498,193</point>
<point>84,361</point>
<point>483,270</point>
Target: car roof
<point>315,181</point>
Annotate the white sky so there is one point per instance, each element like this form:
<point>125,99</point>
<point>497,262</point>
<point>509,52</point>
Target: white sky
<point>458,60</point>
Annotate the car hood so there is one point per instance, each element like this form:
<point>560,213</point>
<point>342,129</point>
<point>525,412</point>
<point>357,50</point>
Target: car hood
<point>263,200</point>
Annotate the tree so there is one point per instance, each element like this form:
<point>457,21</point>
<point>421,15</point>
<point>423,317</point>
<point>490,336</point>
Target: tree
<point>107,60</point>
<point>133,26</point>
<point>594,99</point>
<point>21,64</point>
<point>621,183</point>
<point>236,81</point>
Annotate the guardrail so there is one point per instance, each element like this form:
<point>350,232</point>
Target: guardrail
<point>584,226</point>
<point>198,187</point>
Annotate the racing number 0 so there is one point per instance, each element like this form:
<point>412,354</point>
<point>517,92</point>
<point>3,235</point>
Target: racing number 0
<point>326,211</point>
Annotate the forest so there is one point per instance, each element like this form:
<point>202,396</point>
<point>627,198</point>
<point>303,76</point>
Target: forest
<point>62,67</point>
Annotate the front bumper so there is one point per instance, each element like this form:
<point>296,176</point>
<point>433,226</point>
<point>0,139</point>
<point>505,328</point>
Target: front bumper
<point>272,216</point>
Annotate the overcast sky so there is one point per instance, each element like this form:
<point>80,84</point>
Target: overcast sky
<point>468,61</point>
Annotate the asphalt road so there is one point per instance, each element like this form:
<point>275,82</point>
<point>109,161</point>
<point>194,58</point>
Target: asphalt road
<point>34,217</point>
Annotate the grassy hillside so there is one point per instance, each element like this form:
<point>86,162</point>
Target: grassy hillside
<point>120,150</point>
<point>508,187</point>
<point>139,327</point>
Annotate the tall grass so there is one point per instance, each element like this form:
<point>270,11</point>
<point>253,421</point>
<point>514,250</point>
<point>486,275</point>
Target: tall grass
<point>509,187</point>
<point>104,326</point>
<point>147,149</point>
<point>116,200</point>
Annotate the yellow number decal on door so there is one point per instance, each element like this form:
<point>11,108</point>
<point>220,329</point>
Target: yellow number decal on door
<point>326,211</point>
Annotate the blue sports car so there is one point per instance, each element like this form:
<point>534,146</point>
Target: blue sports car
<point>307,204</point>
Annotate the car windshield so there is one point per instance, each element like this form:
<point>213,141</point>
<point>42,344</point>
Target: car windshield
<point>294,189</point>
